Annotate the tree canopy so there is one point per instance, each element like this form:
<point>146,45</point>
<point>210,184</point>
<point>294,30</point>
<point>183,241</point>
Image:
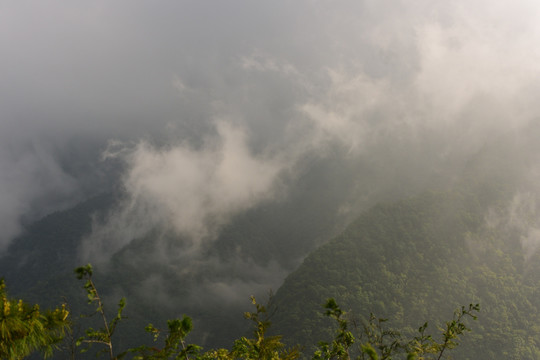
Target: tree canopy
<point>24,328</point>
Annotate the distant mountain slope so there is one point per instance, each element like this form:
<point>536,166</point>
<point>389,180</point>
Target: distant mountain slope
<point>416,260</point>
<point>47,251</point>
<point>251,255</point>
<point>409,260</point>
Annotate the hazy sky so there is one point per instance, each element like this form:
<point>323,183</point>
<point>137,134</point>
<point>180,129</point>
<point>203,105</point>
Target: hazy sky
<point>208,104</point>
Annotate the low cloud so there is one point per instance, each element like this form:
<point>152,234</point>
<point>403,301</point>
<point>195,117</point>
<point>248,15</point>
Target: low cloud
<point>406,91</point>
<point>30,177</point>
<point>190,191</point>
<point>442,83</point>
<point>519,218</point>
<point>251,279</point>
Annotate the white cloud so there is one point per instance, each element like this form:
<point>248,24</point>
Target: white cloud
<point>191,191</point>
<point>343,113</point>
<point>259,61</point>
<point>359,73</point>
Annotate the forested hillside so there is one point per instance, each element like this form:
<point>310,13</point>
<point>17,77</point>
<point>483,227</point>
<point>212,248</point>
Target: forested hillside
<point>250,256</point>
<point>197,153</point>
<point>418,259</point>
<point>409,260</point>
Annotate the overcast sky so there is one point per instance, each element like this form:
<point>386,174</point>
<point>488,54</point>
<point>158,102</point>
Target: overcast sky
<point>209,103</point>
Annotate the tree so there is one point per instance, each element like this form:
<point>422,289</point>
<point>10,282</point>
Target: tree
<point>374,341</point>
<point>175,346</point>
<point>25,329</point>
<point>102,336</point>
<point>260,347</point>
<point>377,343</point>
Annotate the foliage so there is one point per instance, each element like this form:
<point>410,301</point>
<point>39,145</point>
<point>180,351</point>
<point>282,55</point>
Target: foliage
<point>376,342</point>
<point>175,346</point>
<point>258,347</point>
<point>261,346</point>
<point>174,343</point>
<point>25,329</point>
<point>103,335</point>
<point>420,258</point>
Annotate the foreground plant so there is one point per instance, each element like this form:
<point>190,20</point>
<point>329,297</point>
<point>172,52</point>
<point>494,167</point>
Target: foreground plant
<point>103,335</point>
<point>375,342</point>
<point>25,329</point>
<point>258,347</point>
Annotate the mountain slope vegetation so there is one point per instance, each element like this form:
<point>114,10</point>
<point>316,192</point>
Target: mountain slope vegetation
<point>418,259</point>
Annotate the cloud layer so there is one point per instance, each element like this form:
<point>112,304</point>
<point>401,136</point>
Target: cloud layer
<point>191,191</point>
<point>416,87</point>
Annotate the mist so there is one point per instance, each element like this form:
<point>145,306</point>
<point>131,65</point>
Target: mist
<point>201,112</point>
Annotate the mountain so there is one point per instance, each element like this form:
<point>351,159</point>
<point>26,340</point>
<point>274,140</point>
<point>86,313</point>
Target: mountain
<point>251,255</point>
<point>47,252</point>
<point>409,260</point>
<point>420,258</point>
